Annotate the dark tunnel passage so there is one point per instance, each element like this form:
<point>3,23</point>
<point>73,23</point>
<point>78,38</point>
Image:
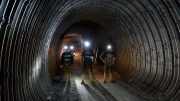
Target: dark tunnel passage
<point>145,34</point>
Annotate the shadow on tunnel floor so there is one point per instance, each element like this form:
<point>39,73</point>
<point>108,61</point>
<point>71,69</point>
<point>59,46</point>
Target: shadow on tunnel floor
<point>93,93</point>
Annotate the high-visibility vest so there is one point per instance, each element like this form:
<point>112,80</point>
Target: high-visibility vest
<point>67,57</point>
<point>88,56</point>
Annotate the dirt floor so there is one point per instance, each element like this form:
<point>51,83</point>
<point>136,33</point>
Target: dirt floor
<point>95,91</point>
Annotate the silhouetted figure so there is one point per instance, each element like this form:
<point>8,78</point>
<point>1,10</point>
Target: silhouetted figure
<point>108,58</point>
<point>66,62</point>
<point>73,52</point>
<point>88,58</point>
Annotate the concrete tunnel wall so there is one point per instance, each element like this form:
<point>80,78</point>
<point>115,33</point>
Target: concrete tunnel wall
<point>146,33</point>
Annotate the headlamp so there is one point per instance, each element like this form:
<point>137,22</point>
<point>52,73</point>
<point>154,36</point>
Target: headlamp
<point>65,47</point>
<point>86,44</point>
<point>71,47</point>
<point>109,47</point>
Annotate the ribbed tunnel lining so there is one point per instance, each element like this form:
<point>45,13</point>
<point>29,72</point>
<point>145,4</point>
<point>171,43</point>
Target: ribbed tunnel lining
<point>146,34</point>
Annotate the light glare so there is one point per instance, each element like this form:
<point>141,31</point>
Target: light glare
<point>72,47</point>
<point>87,44</point>
<point>65,47</point>
<point>109,47</point>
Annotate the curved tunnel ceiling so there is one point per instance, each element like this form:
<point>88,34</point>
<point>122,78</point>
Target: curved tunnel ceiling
<point>145,32</point>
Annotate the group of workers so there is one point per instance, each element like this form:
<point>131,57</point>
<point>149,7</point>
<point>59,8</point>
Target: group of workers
<point>88,58</point>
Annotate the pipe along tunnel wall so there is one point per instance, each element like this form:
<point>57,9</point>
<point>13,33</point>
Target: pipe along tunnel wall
<point>145,32</point>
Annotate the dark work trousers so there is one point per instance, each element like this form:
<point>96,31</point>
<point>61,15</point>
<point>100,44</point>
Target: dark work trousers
<point>67,71</point>
<point>108,72</point>
<point>88,71</point>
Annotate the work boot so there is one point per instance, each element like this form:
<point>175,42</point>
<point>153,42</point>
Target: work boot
<point>92,81</point>
<point>105,81</point>
<point>83,83</point>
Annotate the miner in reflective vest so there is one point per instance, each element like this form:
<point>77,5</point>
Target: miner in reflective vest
<point>108,58</point>
<point>66,62</point>
<point>88,58</point>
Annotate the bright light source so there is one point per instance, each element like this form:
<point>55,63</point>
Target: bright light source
<point>65,47</point>
<point>72,47</point>
<point>109,47</point>
<point>87,44</point>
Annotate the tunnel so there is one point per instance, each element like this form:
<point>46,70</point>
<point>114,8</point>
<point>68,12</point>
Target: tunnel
<point>145,35</point>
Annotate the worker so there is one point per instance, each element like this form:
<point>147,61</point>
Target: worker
<point>72,52</point>
<point>88,58</point>
<point>108,58</point>
<point>66,63</point>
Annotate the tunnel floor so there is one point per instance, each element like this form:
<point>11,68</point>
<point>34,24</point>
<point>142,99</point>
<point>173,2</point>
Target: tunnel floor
<point>95,91</point>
